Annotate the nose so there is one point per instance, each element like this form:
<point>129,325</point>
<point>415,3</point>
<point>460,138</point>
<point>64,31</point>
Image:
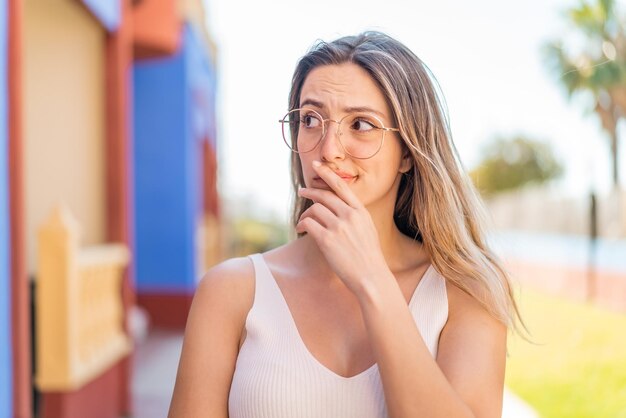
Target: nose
<point>330,147</point>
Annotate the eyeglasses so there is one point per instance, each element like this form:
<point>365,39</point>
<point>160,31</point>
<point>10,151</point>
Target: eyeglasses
<point>303,129</point>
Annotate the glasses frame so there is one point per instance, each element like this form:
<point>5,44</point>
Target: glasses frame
<point>285,122</point>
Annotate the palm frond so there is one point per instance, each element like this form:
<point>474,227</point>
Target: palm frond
<point>568,73</point>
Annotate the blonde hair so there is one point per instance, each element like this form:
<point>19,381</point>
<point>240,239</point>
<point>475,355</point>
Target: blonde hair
<point>436,203</point>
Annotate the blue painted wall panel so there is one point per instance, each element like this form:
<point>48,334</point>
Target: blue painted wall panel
<point>163,228</point>
<point>173,114</point>
<point>193,157</point>
<point>107,11</point>
<point>201,90</point>
<point>203,82</point>
<point>6,379</point>
<point>195,99</point>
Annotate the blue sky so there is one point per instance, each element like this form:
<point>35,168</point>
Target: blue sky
<point>485,55</point>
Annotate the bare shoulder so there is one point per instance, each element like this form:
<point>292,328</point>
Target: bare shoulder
<point>229,284</point>
<point>472,352</point>
<point>464,308</point>
<point>211,343</point>
<point>232,282</point>
<point>230,272</point>
<point>469,320</point>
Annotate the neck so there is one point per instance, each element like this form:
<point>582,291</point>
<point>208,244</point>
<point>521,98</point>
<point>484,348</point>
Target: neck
<point>392,241</point>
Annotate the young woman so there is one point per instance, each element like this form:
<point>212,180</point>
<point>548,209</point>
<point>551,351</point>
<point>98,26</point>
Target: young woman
<point>389,302</point>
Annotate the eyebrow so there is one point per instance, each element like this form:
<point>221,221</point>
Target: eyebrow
<point>351,109</point>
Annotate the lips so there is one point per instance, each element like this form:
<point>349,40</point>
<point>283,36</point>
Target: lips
<point>346,177</point>
<point>341,174</point>
<point>343,177</point>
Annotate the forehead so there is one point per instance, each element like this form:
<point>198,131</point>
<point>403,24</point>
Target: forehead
<point>343,85</point>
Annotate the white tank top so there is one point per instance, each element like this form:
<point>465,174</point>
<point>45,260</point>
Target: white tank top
<point>276,376</point>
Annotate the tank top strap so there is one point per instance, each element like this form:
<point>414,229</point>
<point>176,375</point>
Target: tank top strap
<point>263,279</point>
<point>268,299</point>
<point>429,306</point>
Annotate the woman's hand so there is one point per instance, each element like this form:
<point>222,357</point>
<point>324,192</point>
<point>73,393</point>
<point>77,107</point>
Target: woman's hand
<point>344,231</point>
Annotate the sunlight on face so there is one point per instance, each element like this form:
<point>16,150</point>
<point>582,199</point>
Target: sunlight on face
<point>337,92</point>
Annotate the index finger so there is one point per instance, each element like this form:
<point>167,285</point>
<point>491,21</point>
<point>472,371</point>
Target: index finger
<point>337,184</point>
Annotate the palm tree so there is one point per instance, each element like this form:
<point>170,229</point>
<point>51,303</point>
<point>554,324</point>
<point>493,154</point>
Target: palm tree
<point>599,69</point>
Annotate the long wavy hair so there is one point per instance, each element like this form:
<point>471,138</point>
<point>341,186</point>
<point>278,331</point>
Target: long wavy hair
<point>436,202</point>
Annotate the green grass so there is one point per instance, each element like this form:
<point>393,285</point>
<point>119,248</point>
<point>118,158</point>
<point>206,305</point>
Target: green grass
<point>575,366</point>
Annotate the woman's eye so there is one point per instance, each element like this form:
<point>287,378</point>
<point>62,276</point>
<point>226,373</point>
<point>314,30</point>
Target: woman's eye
<point>310,121</point>
<point>362,125</point>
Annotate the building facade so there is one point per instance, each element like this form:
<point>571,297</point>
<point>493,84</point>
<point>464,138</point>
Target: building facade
<point>77,179</point>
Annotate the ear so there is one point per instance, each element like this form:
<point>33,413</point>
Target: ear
<point>407,161</point>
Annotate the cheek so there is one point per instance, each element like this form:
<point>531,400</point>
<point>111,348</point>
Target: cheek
<point>386,178</point>
<point>390,165</point>
<point>305,166</point>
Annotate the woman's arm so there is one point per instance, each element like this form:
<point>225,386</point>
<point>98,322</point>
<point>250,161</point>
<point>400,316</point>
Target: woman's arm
<point>467,378</point>
<point>211,345</point>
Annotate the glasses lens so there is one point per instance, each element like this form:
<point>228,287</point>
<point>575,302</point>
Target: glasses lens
<point>302,129</point>
<point>362,135</point>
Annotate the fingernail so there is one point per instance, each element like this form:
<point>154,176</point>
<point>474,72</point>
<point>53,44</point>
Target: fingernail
<point>316,163</point>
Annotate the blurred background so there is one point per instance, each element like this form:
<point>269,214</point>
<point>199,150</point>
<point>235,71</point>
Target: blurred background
<point>139,146</point>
